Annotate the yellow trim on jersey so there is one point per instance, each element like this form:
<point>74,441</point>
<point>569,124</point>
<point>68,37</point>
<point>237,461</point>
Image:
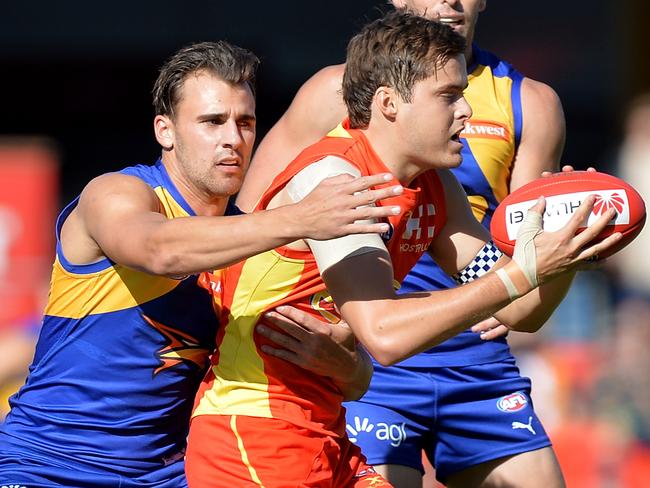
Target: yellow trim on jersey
<point>339,131</point>
<point>244,455</point>
<point>171,207</point>
<point>490,99</point>
<point>76,295</point>
<point>112,289</point>
<point>240,385</point>
<point>479,206</point>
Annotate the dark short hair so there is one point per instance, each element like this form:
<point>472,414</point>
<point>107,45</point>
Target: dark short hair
<point>230,63</point>
<point>395,51</point>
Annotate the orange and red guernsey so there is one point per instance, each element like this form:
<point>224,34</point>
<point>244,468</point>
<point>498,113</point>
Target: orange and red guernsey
<point>243,380</point>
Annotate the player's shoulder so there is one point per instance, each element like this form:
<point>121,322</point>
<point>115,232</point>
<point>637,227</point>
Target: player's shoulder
<point>117,187</point>
<point>324,82</point>
<point>539,92</point>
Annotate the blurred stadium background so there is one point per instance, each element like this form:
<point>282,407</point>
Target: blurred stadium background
<point>75,86</point>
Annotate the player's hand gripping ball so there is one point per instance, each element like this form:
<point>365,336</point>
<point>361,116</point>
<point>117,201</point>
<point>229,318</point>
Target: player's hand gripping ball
<point>564,192</point>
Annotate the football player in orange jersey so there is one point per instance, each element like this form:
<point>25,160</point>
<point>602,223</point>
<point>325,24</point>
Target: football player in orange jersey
<point>403,87</point>
<point>530,113</point>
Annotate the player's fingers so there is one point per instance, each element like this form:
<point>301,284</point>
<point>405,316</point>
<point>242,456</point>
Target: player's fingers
<point>366,182</point>
<point>307,322</point>
<point>289,356</point>
<point>567,168</point>
<point>485,325</point>
<point>365,213</point>
<point>304,320</point>
<point>595,228</point>
<point>499,331</point>
<point>284,340</point>
<point>579,217</point>
<point>539,206</point>
<point>371,196</point>
<point>365,228</point>
<point>592,252</point>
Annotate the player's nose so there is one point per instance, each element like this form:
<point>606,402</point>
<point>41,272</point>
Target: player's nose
<point>463,110</point>
<point>231,135</point>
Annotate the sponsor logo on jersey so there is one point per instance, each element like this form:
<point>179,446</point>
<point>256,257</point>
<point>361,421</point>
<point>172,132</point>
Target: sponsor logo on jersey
<point>11,485</point>
<point>393,433</point>
<point>323,303</point>
<point>419,228</point>
<point>513,402</point>
<point>486,129</point>
<point>179,348</point>
<point>560,209</point>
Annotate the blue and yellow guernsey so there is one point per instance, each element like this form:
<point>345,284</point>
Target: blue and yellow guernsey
<point>118,361</point>
<point>490,141</point>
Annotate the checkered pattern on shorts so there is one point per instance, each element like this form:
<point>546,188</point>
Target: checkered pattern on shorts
<point>481,264</point>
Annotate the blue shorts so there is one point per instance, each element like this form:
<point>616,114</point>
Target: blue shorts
<point>460,416</point>
<point>34,471</point>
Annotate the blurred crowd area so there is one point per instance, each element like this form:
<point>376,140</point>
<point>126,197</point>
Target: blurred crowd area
<point>589,365</point>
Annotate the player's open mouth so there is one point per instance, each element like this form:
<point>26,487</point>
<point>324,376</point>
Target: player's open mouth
<point>451,21</point>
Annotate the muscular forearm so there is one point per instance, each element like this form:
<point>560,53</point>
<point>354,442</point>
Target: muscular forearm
<point>530,312</point>
<point>397,328</point>
<point>190,245</point>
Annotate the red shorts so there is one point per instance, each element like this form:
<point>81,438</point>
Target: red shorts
<point>233,451</point>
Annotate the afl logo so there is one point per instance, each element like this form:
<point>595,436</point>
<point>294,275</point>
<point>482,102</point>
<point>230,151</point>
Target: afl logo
<point>604,203</point>
<point>512,403</point>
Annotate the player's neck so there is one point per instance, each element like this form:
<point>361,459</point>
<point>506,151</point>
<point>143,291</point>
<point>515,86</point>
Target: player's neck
<point>392,155</point>
<point>469,50</point>
<point>469,55</point>
<point>199,200</point>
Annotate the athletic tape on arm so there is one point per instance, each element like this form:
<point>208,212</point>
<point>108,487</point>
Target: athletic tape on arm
<point>525,254</point>
<point>330,252</point>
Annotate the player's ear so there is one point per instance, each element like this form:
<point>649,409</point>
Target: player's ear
<point>163,128</point>
<point>482,5</point>
<point>386,101</point>
<point>398,3</point>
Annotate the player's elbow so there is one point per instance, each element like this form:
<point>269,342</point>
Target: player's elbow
<point>164,260</point>
<point>382,347</point>
<point>529,326</point>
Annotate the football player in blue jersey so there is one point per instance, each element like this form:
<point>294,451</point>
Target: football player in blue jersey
<point>463,402</point>
<point>127,332</point>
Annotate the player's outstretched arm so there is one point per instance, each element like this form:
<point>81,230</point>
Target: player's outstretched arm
<point>322,348</point>
<point>395,327</point>
<point>316,109</point>
<point>118,216</point>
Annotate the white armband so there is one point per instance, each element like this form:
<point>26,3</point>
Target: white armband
<point>331,251</point>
